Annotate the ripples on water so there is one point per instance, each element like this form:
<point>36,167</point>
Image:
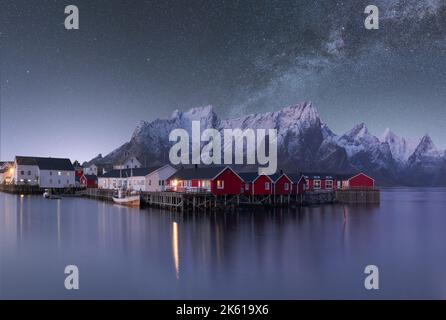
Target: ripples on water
<point>310,252</point>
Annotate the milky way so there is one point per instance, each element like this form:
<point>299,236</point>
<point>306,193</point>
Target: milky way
<point>134,60</point>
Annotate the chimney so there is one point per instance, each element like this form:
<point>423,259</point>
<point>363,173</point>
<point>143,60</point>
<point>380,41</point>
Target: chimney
<point>281,171</point>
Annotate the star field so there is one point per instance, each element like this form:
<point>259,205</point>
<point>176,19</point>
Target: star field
<point>84,90</point>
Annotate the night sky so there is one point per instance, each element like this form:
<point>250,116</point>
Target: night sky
<point>79,93</point>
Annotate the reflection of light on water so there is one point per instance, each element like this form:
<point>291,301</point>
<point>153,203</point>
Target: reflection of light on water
<point>218,240</point>
<point>58,223</point>
<point>175,249</point>
<point>21,217</point>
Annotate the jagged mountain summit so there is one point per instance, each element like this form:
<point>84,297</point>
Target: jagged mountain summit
<point>401,148</point>
<point>305,143</point>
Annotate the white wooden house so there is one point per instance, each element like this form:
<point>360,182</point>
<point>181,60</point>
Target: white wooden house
<point>91,170</point>
<point>139,179</point>
<point>156,180</point>
<point>45,172</point>
<point>128,163</point>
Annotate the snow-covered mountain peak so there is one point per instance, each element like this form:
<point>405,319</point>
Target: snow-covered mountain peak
<point>359,131</point>
<point>427,147</point>
<point>401,148</point>
<point>389,135</point>
<point>304,111</point>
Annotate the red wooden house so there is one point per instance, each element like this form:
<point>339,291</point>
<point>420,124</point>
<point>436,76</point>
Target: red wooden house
<point>299,183</point>
<point>89,181</point>
<point>283,185</point>
<point>323,181</point>
<point>255,184</point>
<point>217,180</point>
<point>319,181</point>
<point>355,181</point>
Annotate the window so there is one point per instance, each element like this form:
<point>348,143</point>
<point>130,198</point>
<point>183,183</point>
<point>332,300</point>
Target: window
<point>68,181</point>
<point>329,184</point>
<point>29,172</point>
<point>68,174</point>
<point>246,186</point>
<point>317,184</point>
<point>58,181</point>
<point>220,184</point>
<point>59,173</point>
<point>150,182</point>
<point>286,186</point>
<point>22,173</point>
<point>51,180</point>
<point>159,182</point>
<point>266,185</point>
<point>128,166</point>
<point>51,173</point>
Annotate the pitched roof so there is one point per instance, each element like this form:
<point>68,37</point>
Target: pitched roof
<point>249,176</point>
<point>295,177</point>
<point>196,173</point>
<point>90,176</point>
<point>26,161</point>
<point>126,173</point>
<point>348,176</point>
<point>46,163</point>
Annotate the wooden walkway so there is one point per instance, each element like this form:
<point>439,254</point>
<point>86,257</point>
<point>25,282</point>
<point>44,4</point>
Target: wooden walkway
<point>358,196</point>
<point>205,200</point>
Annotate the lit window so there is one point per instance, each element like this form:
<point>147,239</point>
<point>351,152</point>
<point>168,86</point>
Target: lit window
<point>220,184</point>
<point>317,184</point>
<point>59,173</point>
<point>247,186</point>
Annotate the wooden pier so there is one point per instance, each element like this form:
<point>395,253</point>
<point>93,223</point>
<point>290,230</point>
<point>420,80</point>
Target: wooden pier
<point>207,201</point>
<point>35,190</point>
<point>358,196</point>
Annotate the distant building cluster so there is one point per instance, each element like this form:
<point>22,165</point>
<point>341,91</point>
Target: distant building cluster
<point>129,174</point>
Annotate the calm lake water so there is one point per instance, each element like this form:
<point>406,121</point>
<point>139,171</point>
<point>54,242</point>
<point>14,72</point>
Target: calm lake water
<point>312,252</point>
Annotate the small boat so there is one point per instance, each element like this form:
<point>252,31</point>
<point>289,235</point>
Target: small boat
<point>48,195</point>
<point>131,200</point>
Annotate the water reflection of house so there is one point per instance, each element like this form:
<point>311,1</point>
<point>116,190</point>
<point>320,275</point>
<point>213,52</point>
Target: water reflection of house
<point>141,179</point>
